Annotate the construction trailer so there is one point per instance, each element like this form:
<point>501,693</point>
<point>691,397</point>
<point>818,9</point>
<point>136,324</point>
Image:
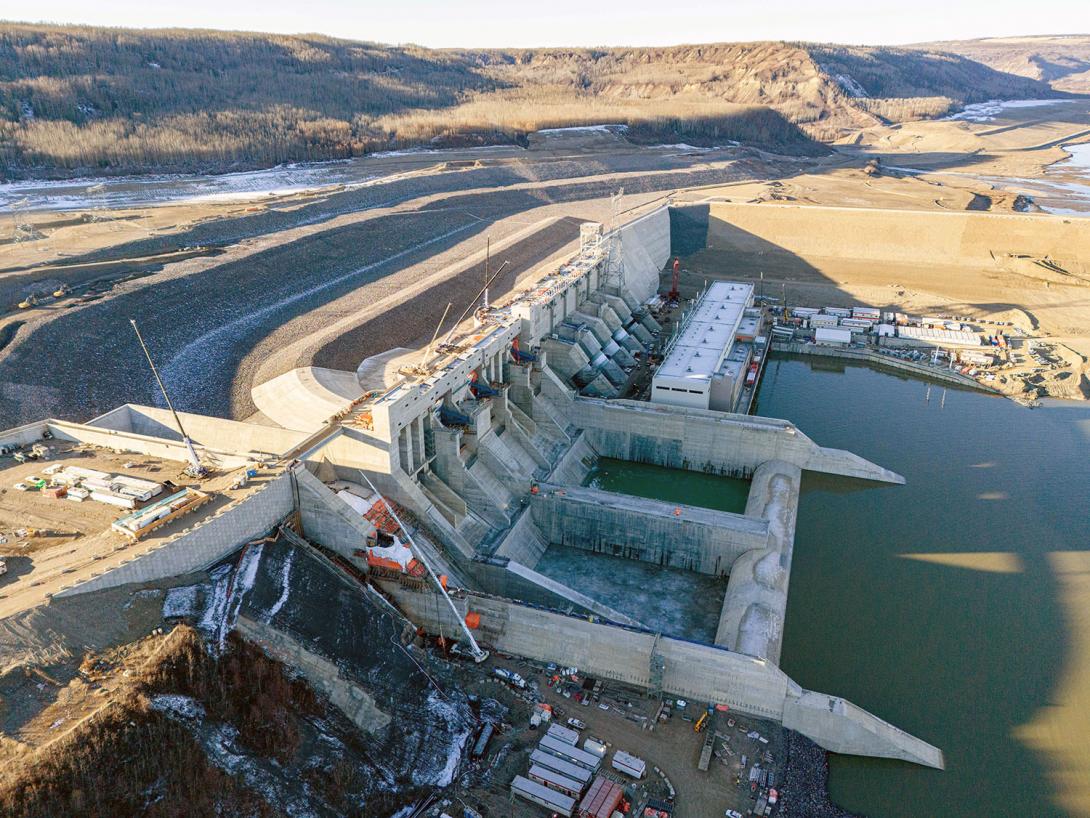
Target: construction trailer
<point>563,734</point>
<point>555,781</point>
<point>569,752</point>
<point>629,764</point>
<point>540,794</point>
<point>575,772</point>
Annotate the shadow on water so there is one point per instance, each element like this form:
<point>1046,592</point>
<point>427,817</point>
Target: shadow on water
<point>955,650</point>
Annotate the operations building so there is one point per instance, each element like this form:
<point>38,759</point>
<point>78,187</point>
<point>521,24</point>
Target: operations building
<point>699,369</point>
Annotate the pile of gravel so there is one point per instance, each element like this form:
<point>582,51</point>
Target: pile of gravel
<point>805,790</point>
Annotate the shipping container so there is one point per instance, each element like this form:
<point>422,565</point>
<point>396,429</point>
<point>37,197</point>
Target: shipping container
<point>483,739</point>
<point>570,753</point>
<point>629,764</point>
<point>871,313</point>
<point>862,323</point>
<point>603,797</point>
<point>113,499</point>
<point>555,781</point>
<point>842,312</point>
<point>826,321</point>
<point>567,769</point>
<point>540,794</point>
<point>804,312</point>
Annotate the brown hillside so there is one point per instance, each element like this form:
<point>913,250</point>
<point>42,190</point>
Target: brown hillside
<point>81,99</point>
<point>1062,61</point>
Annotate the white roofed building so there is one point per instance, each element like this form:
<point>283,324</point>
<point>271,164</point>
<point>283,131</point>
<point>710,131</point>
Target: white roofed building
<point>705,340</point>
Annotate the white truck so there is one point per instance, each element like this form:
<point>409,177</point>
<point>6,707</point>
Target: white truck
<point>510,677</point>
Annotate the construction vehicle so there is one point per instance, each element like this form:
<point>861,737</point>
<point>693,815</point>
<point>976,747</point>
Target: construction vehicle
<point>61,291</point>
<point>702,722</point>
<point>28,302</point>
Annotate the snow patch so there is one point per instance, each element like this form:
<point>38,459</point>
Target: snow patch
<point>445,713</point>
<point>185,708</point>
<point>850,86</point>
<point>988,111</point>
<point>181,601</point>
<point>217,605</point>
<point>613,128</point>
<point>285,587</point>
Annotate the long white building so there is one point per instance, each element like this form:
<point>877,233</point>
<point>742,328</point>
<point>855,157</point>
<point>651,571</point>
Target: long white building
<point>696,368</point>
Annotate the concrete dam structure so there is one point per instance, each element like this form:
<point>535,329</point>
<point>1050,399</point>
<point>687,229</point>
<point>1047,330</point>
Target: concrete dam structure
<point>484,442</point>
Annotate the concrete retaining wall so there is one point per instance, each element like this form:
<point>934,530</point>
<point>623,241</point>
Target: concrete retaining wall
<point>24,435</point>
<point>327,519</point>
<point>697,539</point>
<point>817,235</point>
<point>215,433</point>
<point>210,541</point>
<point>351,699</point>
<point>165,449</point>
<point>702,673</point>
<point>645,249</point>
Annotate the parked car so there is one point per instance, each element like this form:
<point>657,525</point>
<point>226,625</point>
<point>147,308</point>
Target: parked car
<point>576,724</point>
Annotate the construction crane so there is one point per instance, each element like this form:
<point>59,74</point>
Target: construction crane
<point>479,655</point>
<point>194,469</point>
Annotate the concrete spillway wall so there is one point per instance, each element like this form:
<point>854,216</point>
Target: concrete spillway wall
<point>713,442</point>
<point>697,539</point>
<point>700,672</point>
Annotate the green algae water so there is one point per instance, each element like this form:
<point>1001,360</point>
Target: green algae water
<point>957,606</point>
<point>671,485</point>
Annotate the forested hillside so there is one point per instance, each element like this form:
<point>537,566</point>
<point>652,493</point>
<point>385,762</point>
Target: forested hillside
<point>93,100</point>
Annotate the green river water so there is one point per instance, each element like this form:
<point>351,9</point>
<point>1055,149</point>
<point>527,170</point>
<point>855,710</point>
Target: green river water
<point>938,605</point>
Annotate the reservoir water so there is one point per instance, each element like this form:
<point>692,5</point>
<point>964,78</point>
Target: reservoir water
<point>956,606</point>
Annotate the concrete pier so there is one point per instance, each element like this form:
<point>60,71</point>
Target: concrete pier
<point>755,604</point>
<point>708,441</point>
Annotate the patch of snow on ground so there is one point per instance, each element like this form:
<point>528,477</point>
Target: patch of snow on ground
<point>848,83</point>
<point>241,583</point>
<point>181,601</point>
<point>285,587</point>
<point>615,127</point>
<point>988,111</point>
<point>217,605</point>
<point>220,745</point>
<point>449,715</point>
<point>184,707</point>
